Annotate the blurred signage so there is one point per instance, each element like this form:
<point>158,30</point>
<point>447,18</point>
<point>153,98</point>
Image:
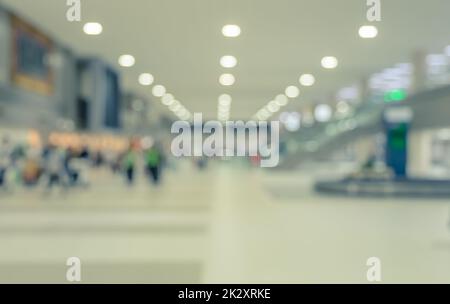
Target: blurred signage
<point>93,141</point>
<point>30,53</point>
<point>398,114</point>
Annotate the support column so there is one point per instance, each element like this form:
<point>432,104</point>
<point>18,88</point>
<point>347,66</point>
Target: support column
<point>419,157</point>
<point>419,77</point>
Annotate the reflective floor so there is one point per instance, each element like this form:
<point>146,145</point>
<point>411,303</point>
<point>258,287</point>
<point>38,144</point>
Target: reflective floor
<point>226,224</point>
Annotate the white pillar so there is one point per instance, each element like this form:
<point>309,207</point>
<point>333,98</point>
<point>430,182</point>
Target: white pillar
<point>420,153</point>
<point>364,148</point>
<point>419,77</point>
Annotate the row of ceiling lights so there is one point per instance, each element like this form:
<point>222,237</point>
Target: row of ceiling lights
<point>145,79</point>
<point>227,79</point>
<point>292,92</point>
<point>307,80</point>
<point>159,91</point>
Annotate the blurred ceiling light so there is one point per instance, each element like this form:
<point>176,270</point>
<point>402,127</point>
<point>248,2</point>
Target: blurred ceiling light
<point>224,108</point>
<point>227,79</point>
<point>323,113</point>
<point>282,100</point>
<point>175,106</point>
<point>262,117</point>
<point>146,79</point>
<point>292,92</point>
<point>447,51</point>
<point>228,61</point>
<point>329,62</point>
<point>168,103</point>
<point>224,117</point>
<point>93,28</point>
<point>307,80</point>
<point>292,122</point>
<point>263,114</point>
<point>368,31</point>
<point>158,90</point>
<point>225,100</point>
<point>342,107</point>
<point>273,107</point>
<point>167,99</point>
<point>231,30</point>
<point>181,112</point>
<point>127,61</point>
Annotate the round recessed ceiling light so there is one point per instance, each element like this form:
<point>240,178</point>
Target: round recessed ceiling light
<point>127,61</point>
<point>292,92</point>
<point>146,79</point>
<point>329,62</point>
<point>167,99</point>
<point>227,79</point>
<point>368,31</point>
<point>282,100</point>
<point>93,28</point>
<point>263,114</point>
<point>158,90</point>
<point>273,107</point>
<point>307,80</point>
<point>224,116</point>
<point>323,113</point>
<point>225,100</point>
<point>343,107</point>
<point>228,61</point>
<point>175,106</point>
<point>223,109</point>
<point>231,30</point>
<point>292,122</point>
<point>181,112</point>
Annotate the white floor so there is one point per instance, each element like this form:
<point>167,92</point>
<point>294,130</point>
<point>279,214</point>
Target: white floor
<point>223,225</point>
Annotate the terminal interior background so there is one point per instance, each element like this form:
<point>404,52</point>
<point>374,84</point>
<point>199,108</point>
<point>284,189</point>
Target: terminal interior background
<point>364,165</point>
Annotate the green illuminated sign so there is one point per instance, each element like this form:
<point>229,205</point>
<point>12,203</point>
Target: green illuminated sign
<point>395,95</point>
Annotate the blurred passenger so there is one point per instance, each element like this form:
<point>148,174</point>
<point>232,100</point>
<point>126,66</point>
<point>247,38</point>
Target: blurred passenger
<point>129,164</point>
<point>153,162</point>
<point>70,171</point>
<point>98,159</point>
<point>116,164</point>
<point>54,167</point>
<point>201,163</point>
<point>31,171</point>
<point>5,155</point>
<point>84,154</point>
<point>79,163</point>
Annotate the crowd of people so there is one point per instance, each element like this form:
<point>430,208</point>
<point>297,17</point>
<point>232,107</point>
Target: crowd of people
<point>51,166</point>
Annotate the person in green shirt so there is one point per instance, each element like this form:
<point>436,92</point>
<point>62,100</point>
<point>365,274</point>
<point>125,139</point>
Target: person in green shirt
<point>129,163</point>
<point>153,162</point>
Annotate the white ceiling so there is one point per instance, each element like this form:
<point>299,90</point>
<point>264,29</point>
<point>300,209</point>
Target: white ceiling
<point>180,43</point>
